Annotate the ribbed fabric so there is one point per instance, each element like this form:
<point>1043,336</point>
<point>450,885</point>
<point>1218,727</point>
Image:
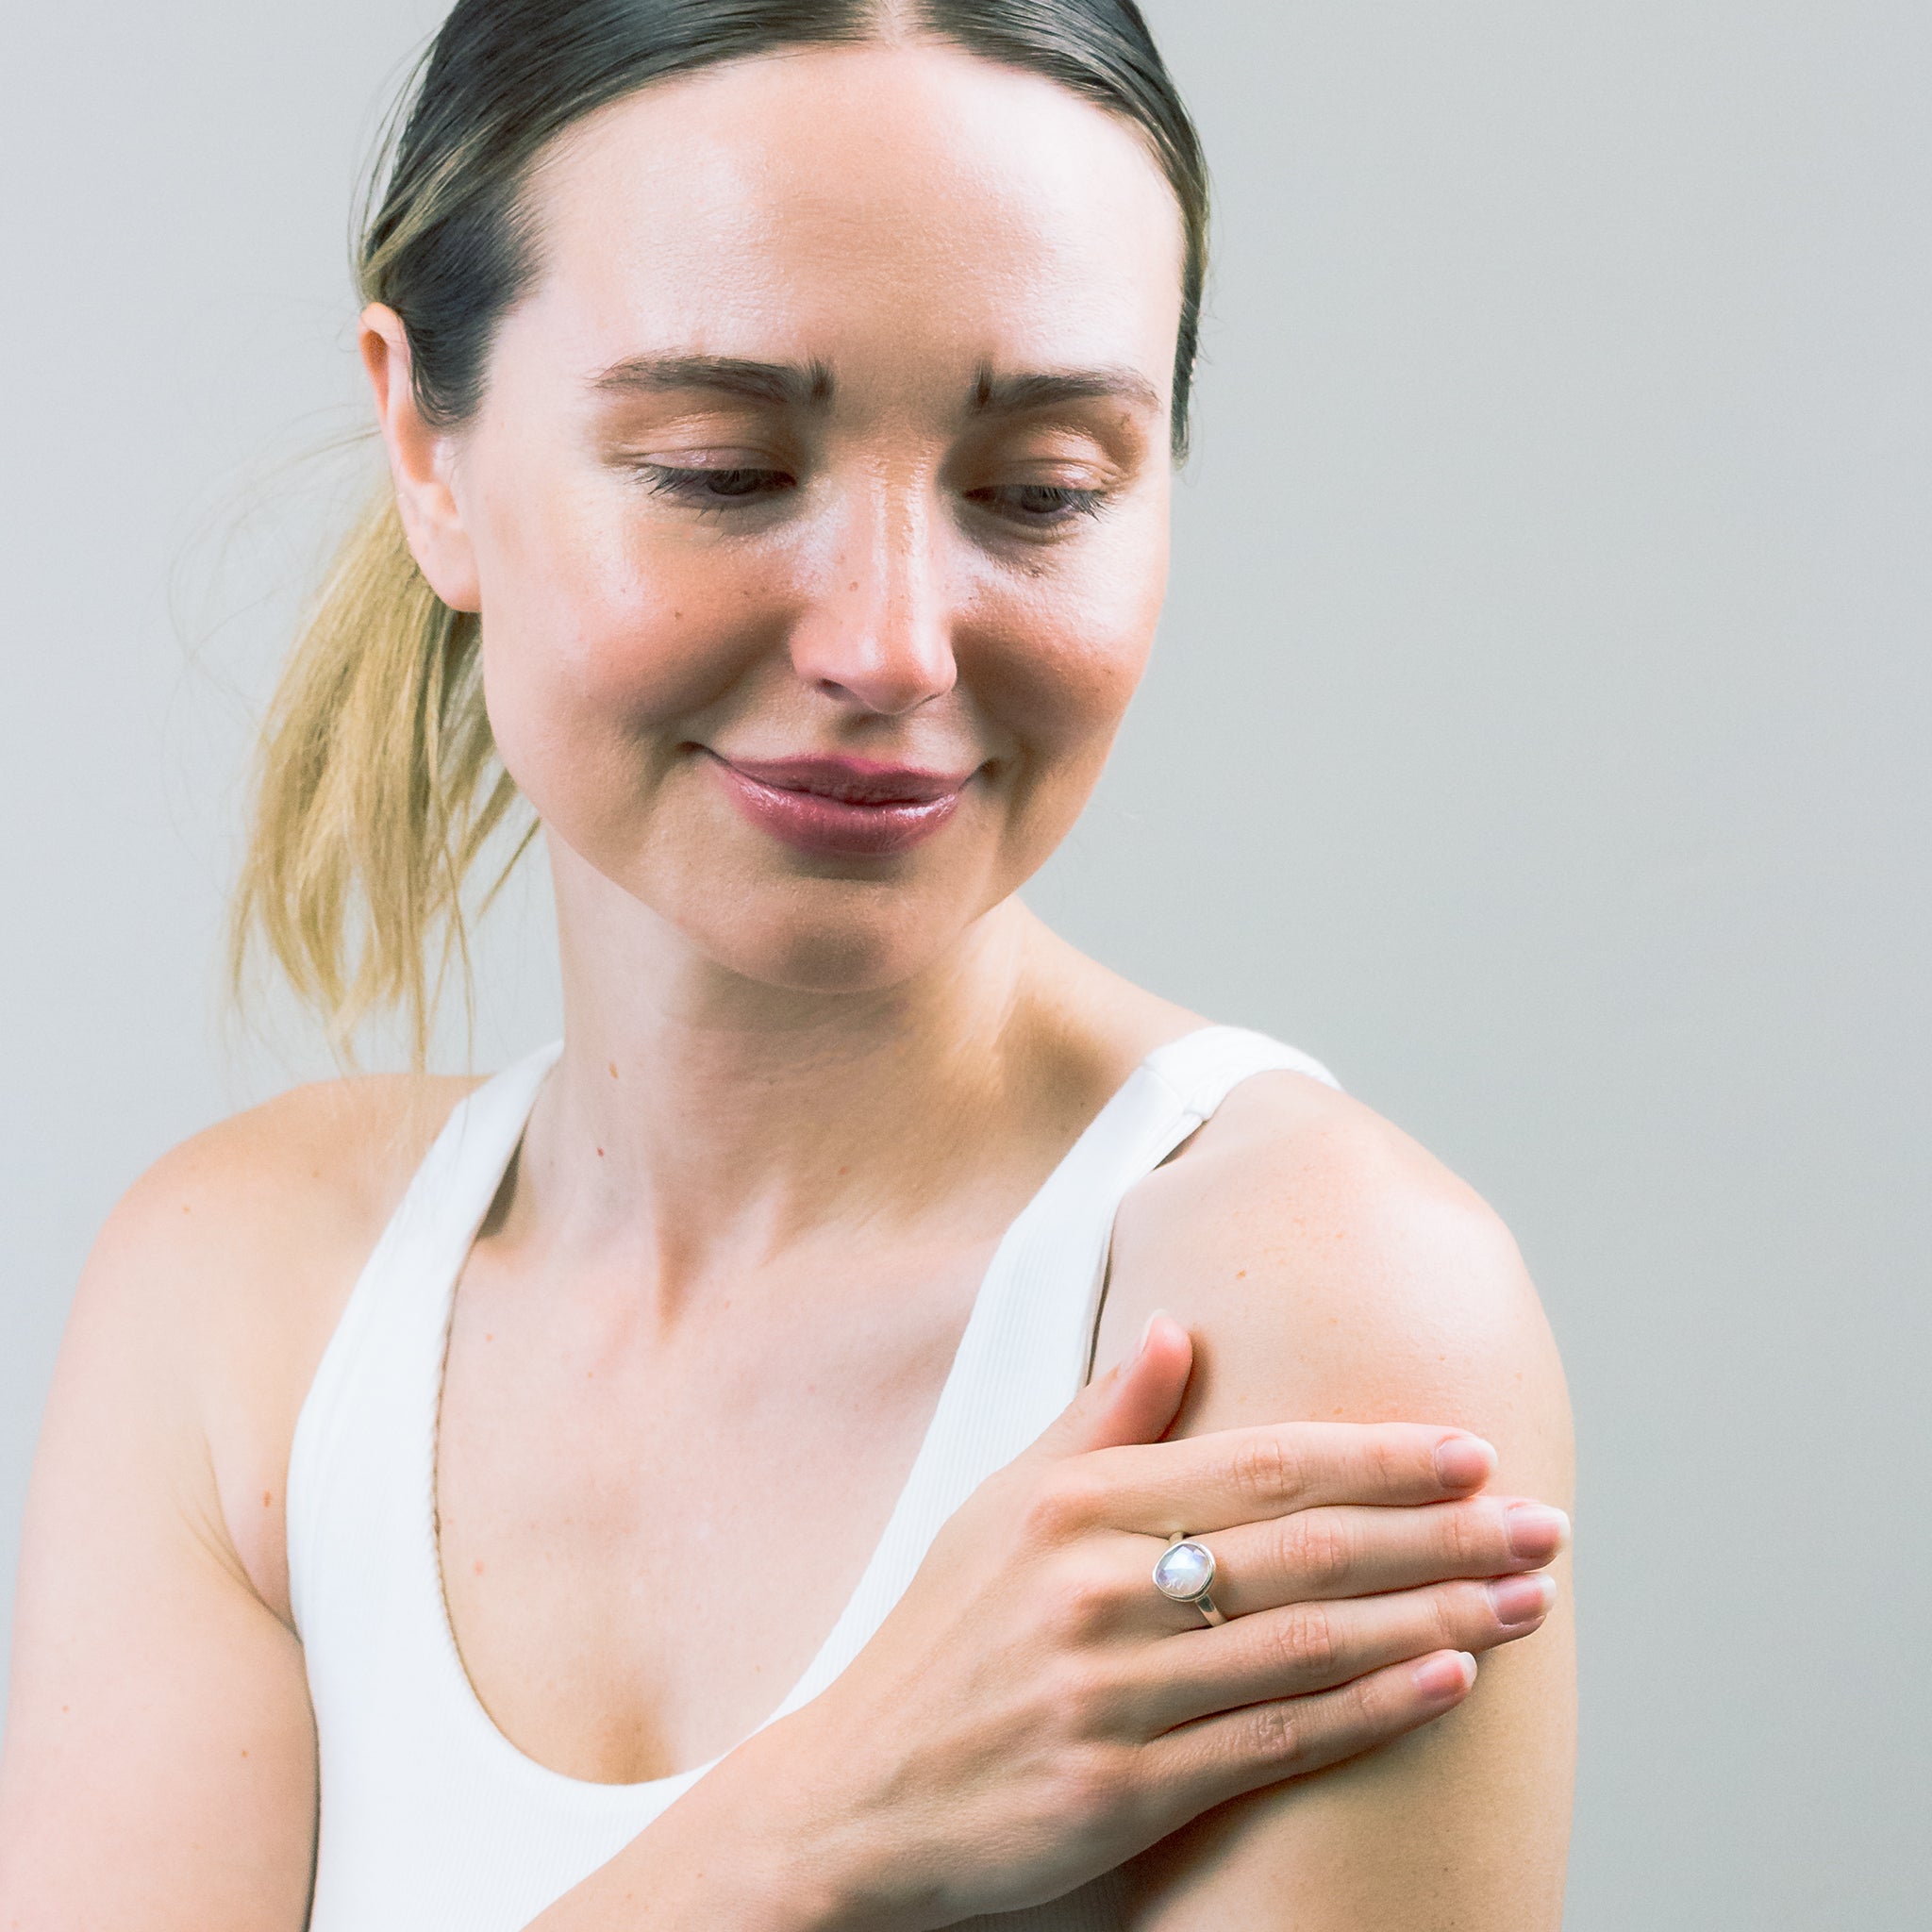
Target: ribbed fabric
<point>430,1817</point>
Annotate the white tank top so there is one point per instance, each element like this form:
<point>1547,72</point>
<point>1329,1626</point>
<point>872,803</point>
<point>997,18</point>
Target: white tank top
<point>430,1817</point>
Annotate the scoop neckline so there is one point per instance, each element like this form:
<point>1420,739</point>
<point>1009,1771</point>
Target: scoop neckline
<point>454,1687</point>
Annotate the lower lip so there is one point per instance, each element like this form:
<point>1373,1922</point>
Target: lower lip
<point>831,827</point>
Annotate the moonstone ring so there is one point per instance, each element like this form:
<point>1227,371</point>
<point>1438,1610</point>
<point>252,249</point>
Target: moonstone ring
<point>1184,1574</point>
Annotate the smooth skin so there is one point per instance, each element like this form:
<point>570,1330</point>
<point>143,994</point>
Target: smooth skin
<point>792,1086</point>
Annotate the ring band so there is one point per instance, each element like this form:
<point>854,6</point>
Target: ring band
<point>1184,1574</point>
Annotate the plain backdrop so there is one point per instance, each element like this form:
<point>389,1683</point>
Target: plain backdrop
<point>1538,734</point>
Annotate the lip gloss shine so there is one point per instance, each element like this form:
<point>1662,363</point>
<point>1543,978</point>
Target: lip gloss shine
<point>840,806</point>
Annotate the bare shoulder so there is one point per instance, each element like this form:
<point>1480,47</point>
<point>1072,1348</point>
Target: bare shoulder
<point>1330,1267</point>
<point>320,1162</point>
<point>252,1216</point>
<point>216,1282</point>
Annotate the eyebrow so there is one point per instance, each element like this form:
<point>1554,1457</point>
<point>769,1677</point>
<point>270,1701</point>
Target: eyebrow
<point>1011,395</point>
<point>810,385</point>
<point>806,386</point>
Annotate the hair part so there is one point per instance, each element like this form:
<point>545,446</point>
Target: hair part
<point>378,783</point>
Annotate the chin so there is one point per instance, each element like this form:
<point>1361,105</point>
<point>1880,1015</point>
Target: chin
<point>811,935</point>
<point>852,952</point>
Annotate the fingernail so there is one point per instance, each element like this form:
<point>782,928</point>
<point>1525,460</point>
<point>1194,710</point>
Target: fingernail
<point>1147,1329</point>
<point>1535,1530</point>
<point>1446,1677</point>
<point>1462,1461</point>
<point>1522,1599</point>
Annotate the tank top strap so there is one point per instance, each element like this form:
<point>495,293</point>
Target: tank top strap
<point>1028,1345</point>
<point>1204,1066</point>
<point>377,1385</point>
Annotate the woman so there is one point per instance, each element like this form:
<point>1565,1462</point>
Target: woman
<point>779,397</point>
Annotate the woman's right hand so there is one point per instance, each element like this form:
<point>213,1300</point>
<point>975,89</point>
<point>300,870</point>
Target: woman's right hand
<point>1033,1712</point>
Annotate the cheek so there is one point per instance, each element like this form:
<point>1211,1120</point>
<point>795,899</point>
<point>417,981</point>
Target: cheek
<point>593,637</point>
<point>1078,647</point>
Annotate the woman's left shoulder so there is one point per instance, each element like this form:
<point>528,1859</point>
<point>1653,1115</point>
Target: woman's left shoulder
<point>1330,1267</point>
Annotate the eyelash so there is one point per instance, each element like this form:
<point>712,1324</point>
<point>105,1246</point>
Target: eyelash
<point>1066,502</point>
<point>702,487</point>
<point>720,489</point>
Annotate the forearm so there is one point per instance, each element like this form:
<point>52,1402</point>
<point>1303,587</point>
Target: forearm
<point>754,1844</point>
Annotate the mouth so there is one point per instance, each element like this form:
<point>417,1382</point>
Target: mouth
<point>840,806</point>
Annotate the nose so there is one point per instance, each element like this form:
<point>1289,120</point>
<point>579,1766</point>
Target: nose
<point>877,634</point>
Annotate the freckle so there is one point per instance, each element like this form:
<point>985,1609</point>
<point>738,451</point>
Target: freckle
<point>66,1709</point>
<point>677,617</point>
<point>600,1153</point>
<point>267,1499</point>
<point>479,1566</point>
<point>1241,1274</point>
<point>854,587</point>
<point>613,1069</point>
<point>488,1337</point>
<point>244,1754</point>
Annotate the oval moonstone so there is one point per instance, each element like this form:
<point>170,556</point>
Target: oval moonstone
<point>1185,1572</point>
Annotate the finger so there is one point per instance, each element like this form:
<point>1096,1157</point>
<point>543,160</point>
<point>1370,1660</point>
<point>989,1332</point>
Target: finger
<point>1346,1551</point>
<point>1206,1483</point>
<point>1316,1646</point>
<point>1134,1402</point>
<point>1215,1758</point>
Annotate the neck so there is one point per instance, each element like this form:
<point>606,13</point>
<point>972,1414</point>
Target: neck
<point>700,1121</point>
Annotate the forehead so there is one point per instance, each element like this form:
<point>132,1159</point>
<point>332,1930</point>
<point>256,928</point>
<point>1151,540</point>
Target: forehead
<point>871,206</point>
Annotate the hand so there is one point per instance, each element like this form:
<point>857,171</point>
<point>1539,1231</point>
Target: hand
<point>1034,1712</point>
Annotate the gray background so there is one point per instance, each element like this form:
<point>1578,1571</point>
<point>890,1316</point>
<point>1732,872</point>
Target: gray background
<point>1538,734</point>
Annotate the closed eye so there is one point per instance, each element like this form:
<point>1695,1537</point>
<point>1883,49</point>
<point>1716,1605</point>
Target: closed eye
<point>1041,506</point>
<point>716,489</point>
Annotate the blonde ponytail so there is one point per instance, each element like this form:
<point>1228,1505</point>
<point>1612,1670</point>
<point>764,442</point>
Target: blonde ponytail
<point>376,787</point>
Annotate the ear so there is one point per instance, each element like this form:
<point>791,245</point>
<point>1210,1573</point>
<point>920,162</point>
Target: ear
<point>420,460</point>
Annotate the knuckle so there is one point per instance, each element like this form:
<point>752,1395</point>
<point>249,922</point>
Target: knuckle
<point>1086,1598</point>
<point>1391,1463</point>
<point>1366,1711</point>
<point>1078,1692</point>
<point>1347,1719</point>
<point>1307,1643</point>
<point>1059,1510</point>
<point>1273,1735</point>
<point>1319,1550</point>
<point>1090,1783</point>
<point>1267,1470</point>
<point>1468,1535</point>
<point>1449,1615</point>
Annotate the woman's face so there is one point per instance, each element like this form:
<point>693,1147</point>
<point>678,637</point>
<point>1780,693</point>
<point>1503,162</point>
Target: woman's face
<point>817,507</point>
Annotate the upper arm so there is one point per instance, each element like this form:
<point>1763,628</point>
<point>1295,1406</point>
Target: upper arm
<point>1329,1270</point>
<point>159,1756</point>
<point>160,1767</point>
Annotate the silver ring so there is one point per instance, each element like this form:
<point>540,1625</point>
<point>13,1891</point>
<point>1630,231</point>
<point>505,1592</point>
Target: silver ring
<point>1184,1574</point>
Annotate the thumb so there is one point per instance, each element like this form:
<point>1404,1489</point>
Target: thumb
<point>1134,1402</point>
